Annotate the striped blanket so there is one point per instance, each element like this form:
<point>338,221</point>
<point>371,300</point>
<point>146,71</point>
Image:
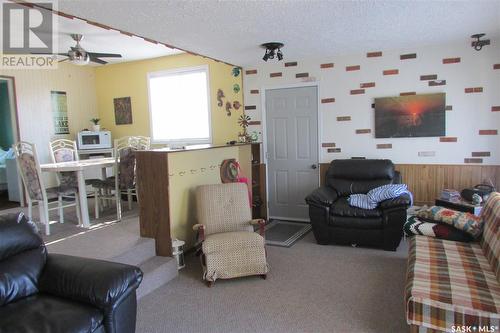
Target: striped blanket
<point>379,194</point>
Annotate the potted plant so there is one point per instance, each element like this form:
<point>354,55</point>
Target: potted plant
<point>96,126</point>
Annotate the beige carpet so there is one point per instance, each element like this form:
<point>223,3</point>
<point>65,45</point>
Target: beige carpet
<point>310,288</point>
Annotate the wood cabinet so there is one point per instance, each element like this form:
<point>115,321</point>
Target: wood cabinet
<point>259,197</point>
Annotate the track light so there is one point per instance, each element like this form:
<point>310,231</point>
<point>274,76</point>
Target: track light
<point>273,49</point>
<point>280,55</point>
<point>478,43</point>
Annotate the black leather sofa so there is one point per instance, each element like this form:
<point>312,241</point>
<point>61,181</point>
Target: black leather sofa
<point>42,292</point>
<point>334,221</point>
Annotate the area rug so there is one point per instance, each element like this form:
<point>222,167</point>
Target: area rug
<point>285,233</point>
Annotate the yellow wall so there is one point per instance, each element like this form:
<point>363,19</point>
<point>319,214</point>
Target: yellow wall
<point>34,106</point>
<point>130,79</point>
<point>186,173</point>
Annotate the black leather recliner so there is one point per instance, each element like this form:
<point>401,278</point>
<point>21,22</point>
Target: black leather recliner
<point>42,292</point>
<point>335,221</point>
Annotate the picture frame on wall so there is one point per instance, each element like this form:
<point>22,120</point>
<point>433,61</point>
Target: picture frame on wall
<point>123,110</point>
<point>59,101</point>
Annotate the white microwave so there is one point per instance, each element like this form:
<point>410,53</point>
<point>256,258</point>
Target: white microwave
<point>94,140</point>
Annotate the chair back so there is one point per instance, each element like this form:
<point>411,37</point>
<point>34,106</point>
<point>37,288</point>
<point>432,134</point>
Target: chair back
<point>360,176</point>
<point>63,150</point>
<point>29,168</point>
<point>126,162</point>
<point>490,241</point>
<point>139,142</point>
<point>22,255</point>
<point>223,207</point>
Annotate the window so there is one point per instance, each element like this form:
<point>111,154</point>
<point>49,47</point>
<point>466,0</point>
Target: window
<point>179,106</point>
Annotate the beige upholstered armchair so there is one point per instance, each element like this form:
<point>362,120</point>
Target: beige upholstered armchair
<point>230,246</point>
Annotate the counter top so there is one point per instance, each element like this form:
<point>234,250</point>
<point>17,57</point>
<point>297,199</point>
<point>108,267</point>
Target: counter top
<point>196,147</point>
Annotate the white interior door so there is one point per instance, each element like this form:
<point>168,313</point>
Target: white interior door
<point>292,150</point>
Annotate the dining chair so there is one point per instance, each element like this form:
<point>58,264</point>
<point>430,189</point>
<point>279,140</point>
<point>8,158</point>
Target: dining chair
<point>63,150</point>
<point>137,141</point>
<point>31,175</point>
<point>125,182</point>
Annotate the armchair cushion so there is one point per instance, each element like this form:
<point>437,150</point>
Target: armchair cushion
<point>231,242</point>
<point>342,208</point>
<point>323,196</point>
<point>402,201</point>
<point>96,282</point>
<point>46,313</point>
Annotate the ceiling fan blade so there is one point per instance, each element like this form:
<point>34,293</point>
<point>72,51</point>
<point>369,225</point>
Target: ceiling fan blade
<point>104,55</point>
<point>42,53</point>
<point>97,60</point>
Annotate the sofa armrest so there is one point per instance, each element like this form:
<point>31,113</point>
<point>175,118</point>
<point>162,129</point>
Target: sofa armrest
<point>403,201</point>
<point>323,196</point>
<point>97,282</point>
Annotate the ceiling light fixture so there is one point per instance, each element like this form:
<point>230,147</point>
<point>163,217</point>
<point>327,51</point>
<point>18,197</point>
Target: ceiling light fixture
<point>273,49</point>
<point>478,43</point>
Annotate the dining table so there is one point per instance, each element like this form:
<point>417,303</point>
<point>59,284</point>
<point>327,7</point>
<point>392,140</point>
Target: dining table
<point>79,167</point>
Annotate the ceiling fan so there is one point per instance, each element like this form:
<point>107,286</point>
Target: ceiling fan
<point>79,56</point>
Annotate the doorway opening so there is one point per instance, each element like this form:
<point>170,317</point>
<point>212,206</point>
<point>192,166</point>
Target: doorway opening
<point>10,185</point>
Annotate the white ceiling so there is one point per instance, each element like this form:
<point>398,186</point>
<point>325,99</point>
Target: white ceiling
<point>233,30</point>
<point>97,39</point>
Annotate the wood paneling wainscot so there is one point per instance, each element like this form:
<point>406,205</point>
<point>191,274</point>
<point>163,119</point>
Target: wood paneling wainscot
<point>426,181</point>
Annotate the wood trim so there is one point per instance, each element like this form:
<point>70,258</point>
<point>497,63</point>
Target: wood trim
<point>14,94</point>
<point>426,181</point>
<point>154,209</point>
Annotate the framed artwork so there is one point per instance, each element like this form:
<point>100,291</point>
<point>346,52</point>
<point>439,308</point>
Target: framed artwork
<point>59,103</point>
<point>123,110</point>
<point>410,116</point>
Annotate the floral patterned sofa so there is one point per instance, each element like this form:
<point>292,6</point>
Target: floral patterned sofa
<point>453,286</point>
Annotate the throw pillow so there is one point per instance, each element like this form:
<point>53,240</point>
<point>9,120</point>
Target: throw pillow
<point>416,226</point>
<point>466,222</point>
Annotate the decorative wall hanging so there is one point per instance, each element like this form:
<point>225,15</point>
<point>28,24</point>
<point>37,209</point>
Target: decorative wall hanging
<point>123,110</point>
<point>236,105</point>
<point>254,136</point>
<point>228,108</point>
<point>220,96</point>
<point>60,112</point>
<point>236,88</point>
<point>236,71</point>
<point>410,116</point>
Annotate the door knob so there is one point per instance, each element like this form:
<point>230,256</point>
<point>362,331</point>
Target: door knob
<point>314,166</point>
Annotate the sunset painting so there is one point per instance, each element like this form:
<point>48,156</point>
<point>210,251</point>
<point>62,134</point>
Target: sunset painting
<point>410,116</point>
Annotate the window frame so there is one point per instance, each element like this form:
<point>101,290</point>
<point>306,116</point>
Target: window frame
<point>169,72</point>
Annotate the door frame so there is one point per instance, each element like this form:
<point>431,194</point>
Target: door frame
<point>264,90</point>
<point>11,82</point>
